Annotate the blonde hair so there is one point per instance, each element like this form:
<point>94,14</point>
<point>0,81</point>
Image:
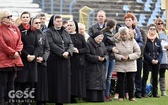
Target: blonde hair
<point>17,21</point>
<point>4,13</point>
<point>81,25</point>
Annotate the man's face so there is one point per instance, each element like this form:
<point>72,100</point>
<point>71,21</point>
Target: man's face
<point>101,17</point>
<point>42,19</point>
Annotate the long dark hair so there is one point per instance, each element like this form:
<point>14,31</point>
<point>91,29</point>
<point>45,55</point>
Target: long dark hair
<point>110,24</point>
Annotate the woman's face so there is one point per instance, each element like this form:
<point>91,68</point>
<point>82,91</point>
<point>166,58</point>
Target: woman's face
<point>160,25</point>
<point>81,30</point>
<point>152,31</point>
<point>25,18</point>
<point>129,22</point>
<point>58,23</point>
<point>7,19</point>
<point>124,36</point>
<point>71,27</point>
<point>37,23</point>
<point>99,39</point>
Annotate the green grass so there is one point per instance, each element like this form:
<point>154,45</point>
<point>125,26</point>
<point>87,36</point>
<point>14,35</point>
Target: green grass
<point>163,100</point>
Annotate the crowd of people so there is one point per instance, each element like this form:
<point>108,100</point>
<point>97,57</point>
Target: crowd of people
<point>60,62</point>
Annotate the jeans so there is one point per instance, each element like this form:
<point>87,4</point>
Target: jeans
<point>109,70</point>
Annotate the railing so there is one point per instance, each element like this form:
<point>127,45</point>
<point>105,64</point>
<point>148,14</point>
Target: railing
<point>86,16</point>
<point>71,5</point>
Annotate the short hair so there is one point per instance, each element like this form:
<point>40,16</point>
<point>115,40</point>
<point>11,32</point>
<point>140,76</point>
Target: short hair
<point>41,15</point>
<point>123,30</point>
<point>25,12</point>
<point>102,12</point>
<point>129,15</point>
<point>151,25</point>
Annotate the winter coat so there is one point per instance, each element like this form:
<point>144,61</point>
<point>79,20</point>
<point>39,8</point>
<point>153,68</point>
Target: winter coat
<point>43,50</point>
<point>153,50</point>
<point>95,69</point>
<point>109,43</point>
<point>10,42</point>
<point>129,47</point>
<point>95,28</point>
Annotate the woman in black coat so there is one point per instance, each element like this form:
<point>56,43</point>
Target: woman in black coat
<point>43,52</point>
<point>58,64</point>
<point>27,77</point>
<point>95,68</point>
<point>78,83</point>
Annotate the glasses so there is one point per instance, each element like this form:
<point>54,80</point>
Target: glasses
<point>37,22</point>
<point>159,23</point>
<point>152,29</point>
<point>10,16</point>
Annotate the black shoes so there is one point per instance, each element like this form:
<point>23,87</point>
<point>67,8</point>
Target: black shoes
<point>156,96</point>
<point>138,96</point>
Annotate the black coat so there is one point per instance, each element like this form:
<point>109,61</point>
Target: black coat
<point>43,49</point>
<point>58,68</point>
<point>95,28</point>
<point>78,83</point>
<point>29,72</point>
<point>109,43</point>
<point>95,69</point>
<point>153,50</point>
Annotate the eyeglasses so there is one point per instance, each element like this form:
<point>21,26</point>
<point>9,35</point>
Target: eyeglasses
<point>37,22</point>
<point>152,29</point>
<point>159,23</point>
<point>8,16</point>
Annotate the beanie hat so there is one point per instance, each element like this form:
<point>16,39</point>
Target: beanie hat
<point>96,34</point>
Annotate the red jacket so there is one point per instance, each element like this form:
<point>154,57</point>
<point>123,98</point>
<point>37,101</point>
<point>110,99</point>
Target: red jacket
<point>10,42</point>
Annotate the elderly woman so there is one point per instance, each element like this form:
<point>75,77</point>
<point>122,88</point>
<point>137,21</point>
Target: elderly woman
<point>152,57</point>
<point>82,30</point>
<point>163,36</point>
<point>95,68</point>
<point>129,52</point>
<point>10,50</point>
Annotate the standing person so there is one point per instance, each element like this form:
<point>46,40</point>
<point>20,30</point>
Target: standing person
<point>138,78</point>
<point>109,42</point>
<point>42,17</point>
<point>101,16</point>
<point>58,64</point>
<point>130,23</point>
<point>27,77</point>
<point>82,31</point>
<point>10,50</point>
<point>163,36</point>
<point>42,56</point>
<point>95,68</point>
<point>125,65</point>
<point>152,58</point>
<point>78,82</point>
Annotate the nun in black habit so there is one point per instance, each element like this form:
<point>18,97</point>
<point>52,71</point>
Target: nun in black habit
<point>58,64</point>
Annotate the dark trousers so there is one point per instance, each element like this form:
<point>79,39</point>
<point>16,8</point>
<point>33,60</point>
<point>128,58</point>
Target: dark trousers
<point>154,76</point>
<point>162,73</point>
<point>138,79</point>
<point>6,84</point>
<point>130,83</point>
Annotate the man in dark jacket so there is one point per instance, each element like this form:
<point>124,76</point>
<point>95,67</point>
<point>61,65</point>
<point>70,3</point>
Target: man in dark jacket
<point>101,16</point>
